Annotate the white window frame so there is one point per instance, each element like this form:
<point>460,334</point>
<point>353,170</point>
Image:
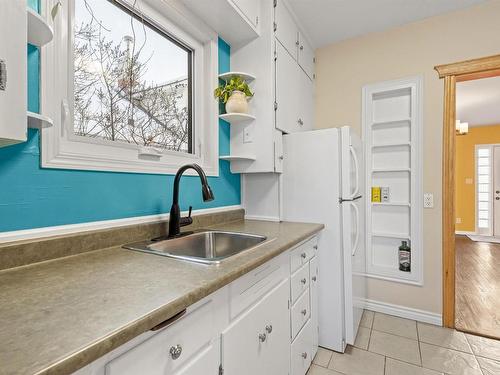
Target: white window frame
<point>484,231</point>
<point>60,148</point>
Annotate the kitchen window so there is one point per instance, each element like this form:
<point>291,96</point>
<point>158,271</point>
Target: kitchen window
<point>132,81</point>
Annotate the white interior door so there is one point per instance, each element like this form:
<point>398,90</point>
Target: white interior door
<point>496,191</point>
<point>353,227</point>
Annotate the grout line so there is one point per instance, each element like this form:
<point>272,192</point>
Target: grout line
<point>403,337</point>
<point>418,344</point>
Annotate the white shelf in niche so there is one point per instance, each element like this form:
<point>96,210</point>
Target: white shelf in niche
<point>39,32</point>
<point>394,144</point>
<point>389,170</point>
<point>395,204</point>
<point>245,76</point>
<point>238,157</point>
<point>37,121</point>
<point>405,120</point>
<point>236,118</point>
<point>402,236</point>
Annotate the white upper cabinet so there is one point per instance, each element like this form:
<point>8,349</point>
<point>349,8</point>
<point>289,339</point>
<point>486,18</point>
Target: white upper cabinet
<point>286,31</point>
<point>306,56</point>
<point>13,76</point>
<point>288,82</point>
<point>250,8</point>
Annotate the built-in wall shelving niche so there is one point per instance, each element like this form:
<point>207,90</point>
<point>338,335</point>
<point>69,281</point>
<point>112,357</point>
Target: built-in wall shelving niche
<point>39,32</point>
<point>237,118</point>
<point>392,126</point>
<point>245,76</point>
<point>37,121</point>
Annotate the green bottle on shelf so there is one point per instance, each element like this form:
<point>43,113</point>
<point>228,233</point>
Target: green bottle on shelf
<point>404,257</point>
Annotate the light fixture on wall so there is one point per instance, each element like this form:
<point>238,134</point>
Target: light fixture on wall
<point>462,128</point>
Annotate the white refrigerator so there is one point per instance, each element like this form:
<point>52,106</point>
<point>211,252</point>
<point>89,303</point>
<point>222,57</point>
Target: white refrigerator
<point>323,182</point>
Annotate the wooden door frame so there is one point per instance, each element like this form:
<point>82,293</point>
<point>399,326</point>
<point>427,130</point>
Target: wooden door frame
<point>453,73</point>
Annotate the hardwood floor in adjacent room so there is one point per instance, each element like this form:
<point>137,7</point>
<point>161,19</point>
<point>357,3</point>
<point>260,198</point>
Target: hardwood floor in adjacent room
<point>477,307</point>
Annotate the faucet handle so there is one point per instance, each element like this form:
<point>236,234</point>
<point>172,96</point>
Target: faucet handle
<point>188,220</point>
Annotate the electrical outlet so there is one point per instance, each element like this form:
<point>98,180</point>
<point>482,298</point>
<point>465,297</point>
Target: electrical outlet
<point>248,134</point>
<point>428,200</point>
<point>458,220</point>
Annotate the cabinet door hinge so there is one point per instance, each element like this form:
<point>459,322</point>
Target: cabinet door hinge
<point>314,60</point>
<point>221,369</point>
<point>275,106</point>
<point>275,26</point>
<point>3,75</point>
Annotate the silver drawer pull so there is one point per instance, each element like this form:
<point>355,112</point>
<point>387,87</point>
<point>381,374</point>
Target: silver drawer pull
<point>262,337</point>
<point>3,75</point>
<point>269,328</point>
<point>175,351</point>
<point>303,255</point>
<point>304,312</point>
<point>303,281</point>
<point>314,278</point>
<point>304,355</point>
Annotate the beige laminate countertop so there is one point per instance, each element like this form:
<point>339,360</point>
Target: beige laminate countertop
<point>58,316</point>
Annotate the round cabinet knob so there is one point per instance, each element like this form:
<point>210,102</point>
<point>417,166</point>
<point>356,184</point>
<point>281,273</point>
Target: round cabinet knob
<point>498,191</point>
<point>314,278</point>
<point>300,121</point>
<point>303,255</point>
<point>304,355</point>
<point>315,247</point>
<point>175,351</point>
<point>269,328</point>
<point>304,312</point>
<point>303,281</point>
<point>497,198</point>
<point>281,157</point>
<point>301,48</point>
<point>262,337</point>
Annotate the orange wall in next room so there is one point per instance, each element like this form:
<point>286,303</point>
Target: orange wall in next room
<point>465,196</point>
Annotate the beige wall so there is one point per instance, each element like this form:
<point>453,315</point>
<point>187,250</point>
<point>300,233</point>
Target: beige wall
<point>343,68</point>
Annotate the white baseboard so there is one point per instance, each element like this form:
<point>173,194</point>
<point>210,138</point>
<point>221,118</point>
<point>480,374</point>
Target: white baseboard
<point>404,312</point>
<point>465,233</point>
<point>263,218</point>
<point>97,225</point>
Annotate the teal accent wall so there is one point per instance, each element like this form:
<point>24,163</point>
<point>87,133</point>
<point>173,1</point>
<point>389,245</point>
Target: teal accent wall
<point>34,197</point>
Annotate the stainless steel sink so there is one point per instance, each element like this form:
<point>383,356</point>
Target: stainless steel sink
<point>204,246</point>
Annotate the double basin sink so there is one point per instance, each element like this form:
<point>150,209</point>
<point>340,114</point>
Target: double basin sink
<point>203,246</point>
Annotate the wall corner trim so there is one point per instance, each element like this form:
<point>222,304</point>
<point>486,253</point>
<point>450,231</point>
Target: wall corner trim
<point>404,312</point>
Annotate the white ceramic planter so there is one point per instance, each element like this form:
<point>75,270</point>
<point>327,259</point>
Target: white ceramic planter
<point>237,103</point>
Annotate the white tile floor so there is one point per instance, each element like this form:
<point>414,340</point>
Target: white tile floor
<point>387,345</point>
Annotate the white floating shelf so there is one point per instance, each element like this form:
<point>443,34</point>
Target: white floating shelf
<point>236,118</point>
<point>401,236</point>
<point>382,170</point>
<point>238,157</point>
<point>398,204</point>
<point>245,76</point>
<point>391,122</point>
<point>37,121</point>
<point>39,32</point>
<point>396,144</point>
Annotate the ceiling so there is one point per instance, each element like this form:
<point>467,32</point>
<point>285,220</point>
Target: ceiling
<point>478,102</point>
<point>329,21</point>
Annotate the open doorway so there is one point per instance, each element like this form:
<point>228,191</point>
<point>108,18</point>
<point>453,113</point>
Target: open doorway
<point>477,206</point>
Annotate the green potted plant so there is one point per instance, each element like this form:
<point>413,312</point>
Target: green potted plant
<point>234,94</point>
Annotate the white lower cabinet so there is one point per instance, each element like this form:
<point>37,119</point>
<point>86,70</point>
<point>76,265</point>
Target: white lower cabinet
<point>249,327</point>
<point>254,343</point>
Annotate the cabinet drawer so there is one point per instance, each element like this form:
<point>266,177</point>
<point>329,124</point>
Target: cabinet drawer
<point>300,282</point>
<point>192,334</point>
<point>302,253</point>
<point>301,312</point>
<point>301,355</point>
<point>252,286</point>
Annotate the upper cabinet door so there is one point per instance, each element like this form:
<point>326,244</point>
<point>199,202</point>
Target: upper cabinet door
<point>250,8</point>
<point>13,123</point>
<point>286,30</point>
<point>306,56</point>
<point>288,84</point>
<point>306,102</point>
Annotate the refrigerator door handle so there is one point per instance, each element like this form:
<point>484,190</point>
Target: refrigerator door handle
<point>356,240</point>
<point>356,167</point>
<point>342,200</point>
